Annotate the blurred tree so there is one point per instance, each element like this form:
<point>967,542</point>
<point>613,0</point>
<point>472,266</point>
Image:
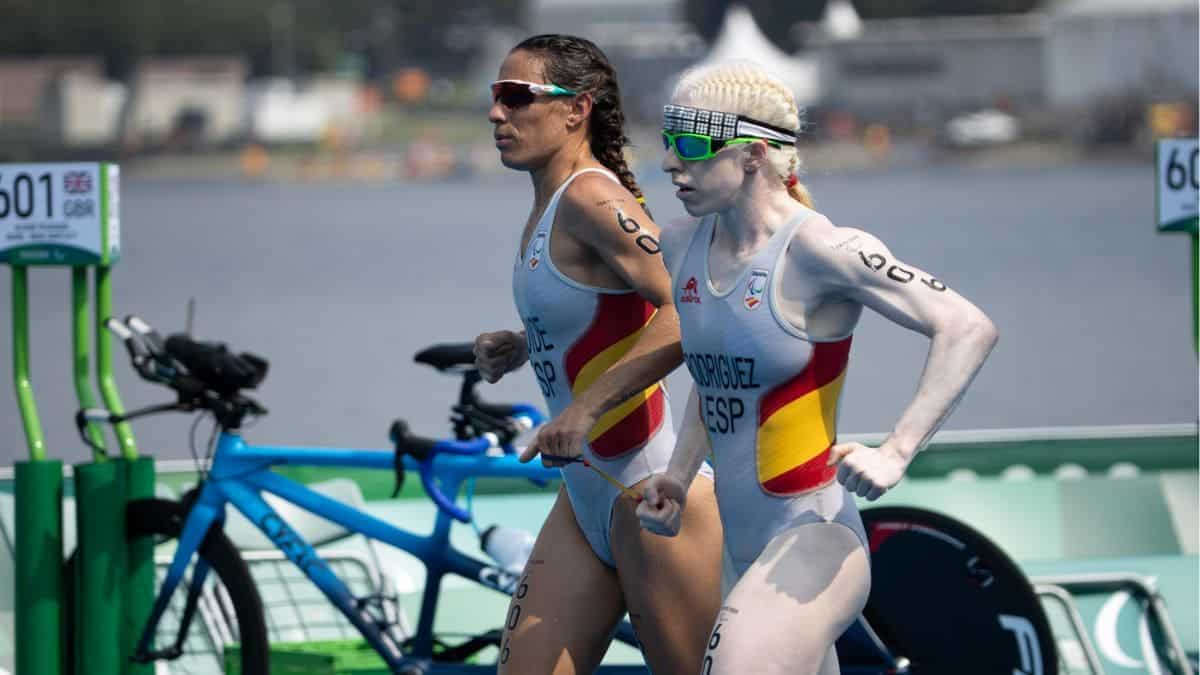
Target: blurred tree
<point>277,36</point>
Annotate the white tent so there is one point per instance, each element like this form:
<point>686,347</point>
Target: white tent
<point>741,40</point>
<point>841,21</point>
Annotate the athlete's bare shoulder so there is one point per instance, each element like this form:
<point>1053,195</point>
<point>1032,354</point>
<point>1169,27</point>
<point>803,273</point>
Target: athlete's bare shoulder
<point>596,193</point>
<point>594,201</point>
<point>675,237</point>
<point>677,233</point>
<point>828,250</point>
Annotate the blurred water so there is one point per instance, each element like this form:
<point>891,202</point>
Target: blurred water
<point>338,285</point>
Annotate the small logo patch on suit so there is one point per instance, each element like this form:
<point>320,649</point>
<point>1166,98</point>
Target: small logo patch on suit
<point>756,288</point>
<point>691,292</point>
<point>539,243</point>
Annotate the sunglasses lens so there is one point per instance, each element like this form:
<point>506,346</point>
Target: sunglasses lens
<point>511,94</point>
<point>691,147</point>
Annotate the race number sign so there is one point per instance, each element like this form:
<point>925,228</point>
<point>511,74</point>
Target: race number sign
<point>59,214</point>
<point>1178,189</point>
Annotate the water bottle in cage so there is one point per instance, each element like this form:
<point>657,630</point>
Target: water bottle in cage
<point>510,547</point>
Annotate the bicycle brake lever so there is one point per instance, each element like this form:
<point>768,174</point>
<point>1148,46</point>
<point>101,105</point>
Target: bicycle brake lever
<point>398,433</point>
<point>133,342</point>
<point>154,341</point>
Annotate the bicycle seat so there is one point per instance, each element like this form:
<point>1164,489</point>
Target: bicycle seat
<point>447,355</point>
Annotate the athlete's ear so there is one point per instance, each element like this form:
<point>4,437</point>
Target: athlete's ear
<point>581,109</point>
<point>755,156</point>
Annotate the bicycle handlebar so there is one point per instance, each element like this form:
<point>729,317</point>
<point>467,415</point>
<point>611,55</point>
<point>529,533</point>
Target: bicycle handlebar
<point>206,376</point>
<point>423,450</point>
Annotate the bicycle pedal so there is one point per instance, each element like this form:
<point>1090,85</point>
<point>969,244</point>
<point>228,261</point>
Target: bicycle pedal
<point>168,654</point>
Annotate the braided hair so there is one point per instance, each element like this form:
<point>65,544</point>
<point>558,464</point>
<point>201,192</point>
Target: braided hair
<point>578,64</point>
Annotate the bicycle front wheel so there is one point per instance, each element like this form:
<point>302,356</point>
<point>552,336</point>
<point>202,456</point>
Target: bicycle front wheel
<point>230,609</point>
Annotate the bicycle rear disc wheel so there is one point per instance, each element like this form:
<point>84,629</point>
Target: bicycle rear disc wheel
<point>231,609</point>
<point>949,600</point>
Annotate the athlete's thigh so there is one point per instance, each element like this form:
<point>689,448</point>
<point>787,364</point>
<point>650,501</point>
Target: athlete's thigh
<point>786,611</point>
<point>672,585</point>
<point>562,617</point>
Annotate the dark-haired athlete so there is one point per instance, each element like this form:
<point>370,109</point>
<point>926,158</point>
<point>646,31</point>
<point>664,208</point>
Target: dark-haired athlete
<point>600,333</point>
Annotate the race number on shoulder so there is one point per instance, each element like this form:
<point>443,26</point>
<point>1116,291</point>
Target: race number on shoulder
<point>59,214</point>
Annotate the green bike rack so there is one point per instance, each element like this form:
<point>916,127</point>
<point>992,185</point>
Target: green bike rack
<point>67,215</point>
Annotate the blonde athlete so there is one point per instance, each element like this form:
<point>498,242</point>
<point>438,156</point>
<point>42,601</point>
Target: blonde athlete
<point>769,292</point>
<point>600,332</point>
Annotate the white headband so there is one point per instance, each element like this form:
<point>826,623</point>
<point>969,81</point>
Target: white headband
<point>721,126</point>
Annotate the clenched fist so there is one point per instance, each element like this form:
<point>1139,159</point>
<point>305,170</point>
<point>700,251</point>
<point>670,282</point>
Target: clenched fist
<point>868,472</point>
<point>500,352</point>
<point>661,511</point>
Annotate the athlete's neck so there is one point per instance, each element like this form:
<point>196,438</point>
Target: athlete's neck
<point>572,157</point>
<point>756,213</point>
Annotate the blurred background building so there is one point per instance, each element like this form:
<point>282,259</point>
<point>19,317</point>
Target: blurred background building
<point>404,82</point>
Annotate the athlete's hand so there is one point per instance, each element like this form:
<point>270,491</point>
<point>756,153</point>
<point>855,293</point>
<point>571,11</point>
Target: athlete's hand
<point>662,509</point>
<point>869,472</point>
<point>498,353</point>
<point>561,438</point>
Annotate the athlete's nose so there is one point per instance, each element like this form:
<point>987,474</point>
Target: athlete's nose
<point>496,113</point>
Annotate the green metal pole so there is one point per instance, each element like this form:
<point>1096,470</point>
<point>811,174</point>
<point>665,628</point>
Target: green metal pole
<point>134,566</point>
<point>100,528</point>
<point>108,385</point>
<point>100,524</point>
<point>1196,292</point>
<point>138,593</point>
<point>38,514</point>
<point>39,544</point>
<point>25,401</point>
<point>80,345</point>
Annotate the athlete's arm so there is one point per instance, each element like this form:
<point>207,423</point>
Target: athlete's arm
<point>666,493</point>
<point>857,265</point>
<point>606,218</point>
<point>691,446</point>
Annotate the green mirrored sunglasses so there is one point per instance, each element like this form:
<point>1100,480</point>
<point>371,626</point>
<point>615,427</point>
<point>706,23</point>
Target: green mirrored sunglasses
<point>695,147</point>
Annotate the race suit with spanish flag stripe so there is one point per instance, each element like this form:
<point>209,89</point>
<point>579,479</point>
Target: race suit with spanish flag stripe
<point>768,396</point>
<point>575,333</point>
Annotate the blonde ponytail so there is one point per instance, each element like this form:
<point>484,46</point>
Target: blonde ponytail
<point>800,193</point>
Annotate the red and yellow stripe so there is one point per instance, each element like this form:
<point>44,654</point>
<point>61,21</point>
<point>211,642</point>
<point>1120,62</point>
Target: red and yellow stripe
<point>797,423</point>
<point>616,326</point>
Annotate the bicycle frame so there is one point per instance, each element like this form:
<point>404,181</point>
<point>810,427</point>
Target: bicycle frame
<point>240,472</point>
